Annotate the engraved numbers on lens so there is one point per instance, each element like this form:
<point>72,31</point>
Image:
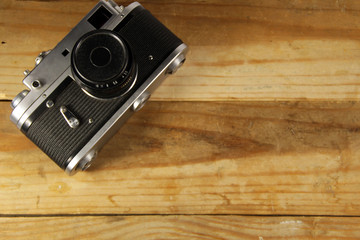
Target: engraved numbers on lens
<point>103,64</point>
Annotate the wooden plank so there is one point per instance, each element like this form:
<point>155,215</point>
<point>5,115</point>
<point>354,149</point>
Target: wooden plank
<point>179,227</point>
<point>240,50</point>
<point>199,158</point>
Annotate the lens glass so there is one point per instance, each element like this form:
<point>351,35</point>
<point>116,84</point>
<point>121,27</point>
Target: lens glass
<point>102,64</point>
<point>100,56</point>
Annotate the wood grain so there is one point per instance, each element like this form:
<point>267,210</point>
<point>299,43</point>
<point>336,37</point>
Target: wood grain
<point>232,146</point>
<point>199,158</point>
<point>240,50</point>
<point>179,227</point>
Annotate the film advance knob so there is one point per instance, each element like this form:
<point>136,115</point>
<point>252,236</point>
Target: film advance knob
<point>18,98</point>
<point>85,163</point>
<point>140,101</point>
<point>176,64</point>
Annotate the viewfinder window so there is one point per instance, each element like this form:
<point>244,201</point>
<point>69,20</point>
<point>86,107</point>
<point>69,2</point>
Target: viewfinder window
<point>100,17</point>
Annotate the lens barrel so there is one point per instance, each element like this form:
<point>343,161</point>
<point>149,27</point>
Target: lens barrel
<point>103,65</point>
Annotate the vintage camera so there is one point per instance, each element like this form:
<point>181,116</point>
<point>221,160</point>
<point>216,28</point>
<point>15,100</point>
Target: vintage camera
<point>84,89</point>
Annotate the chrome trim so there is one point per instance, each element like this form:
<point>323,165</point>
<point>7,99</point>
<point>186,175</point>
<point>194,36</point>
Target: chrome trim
<point>126,110</point>
<point>41,98</point>
<point>57,64</point>
<point>54,66</point>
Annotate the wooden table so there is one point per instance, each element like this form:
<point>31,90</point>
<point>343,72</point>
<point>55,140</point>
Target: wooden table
<point>256,137</point>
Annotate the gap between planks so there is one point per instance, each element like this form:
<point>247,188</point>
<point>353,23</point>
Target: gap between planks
<point>173,215</point>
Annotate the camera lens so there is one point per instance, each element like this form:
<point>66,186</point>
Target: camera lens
<point>100,56</point>
<point>103,65</point>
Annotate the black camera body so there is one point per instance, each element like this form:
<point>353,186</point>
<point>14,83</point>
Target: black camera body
<point>83,90</point>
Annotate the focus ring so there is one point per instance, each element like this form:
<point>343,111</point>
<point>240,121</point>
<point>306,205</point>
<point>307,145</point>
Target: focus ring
<point>102,64</point>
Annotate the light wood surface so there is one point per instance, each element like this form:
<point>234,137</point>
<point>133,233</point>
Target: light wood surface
<point>239,50</point>
<point>180,227</point>
<point>200,158</point>
<point>218,153</point>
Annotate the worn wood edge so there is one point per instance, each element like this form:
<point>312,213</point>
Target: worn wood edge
<point>179,227</point>
<point>204,158</point>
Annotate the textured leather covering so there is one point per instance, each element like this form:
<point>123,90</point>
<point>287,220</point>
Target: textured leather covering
<point>146,36</point>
